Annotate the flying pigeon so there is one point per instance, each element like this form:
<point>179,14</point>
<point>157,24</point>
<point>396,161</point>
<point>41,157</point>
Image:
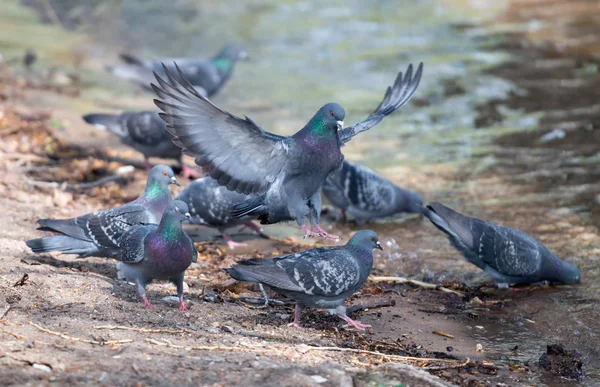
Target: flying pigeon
<point>284,174</point>
<point>207,76</point>
<point>506,254</point>
<point>96,234</point>
<point>162,251</point>
<point>366,195</point>
<point>317,278</point>
<point>145,132</point>
<point>210,205</point>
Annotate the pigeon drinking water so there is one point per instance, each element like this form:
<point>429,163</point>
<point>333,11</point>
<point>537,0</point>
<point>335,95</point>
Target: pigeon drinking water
<point>210,205</point>
<point>366,195</point>
<point>506,254</point>
<point>145,132</point>
<point>96,234</point>
<point>162,251</point>
<point>284,174</point>
<point>317,278</point>
<point>207,76</point>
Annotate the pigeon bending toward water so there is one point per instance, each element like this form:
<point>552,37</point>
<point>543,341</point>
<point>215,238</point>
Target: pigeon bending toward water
<point>317,278</point>
<point>96,234</point>
<point>284,174</point>
<point>207,76</point>
<point>145,132</point>
<point>162,251</point>
<point>506,254</point>
<point>210,205</point>
<point>366,195</point>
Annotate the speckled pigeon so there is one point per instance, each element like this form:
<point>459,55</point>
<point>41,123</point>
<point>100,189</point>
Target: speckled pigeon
<point>162,251</point>
<point>145,132</point>
<point>207,76</point>
<point>210,205</point>
<point>366,195</point>
<point>285,174</point>
<point>506,254</point>
<point>96,234</point>
<point>317,278</point>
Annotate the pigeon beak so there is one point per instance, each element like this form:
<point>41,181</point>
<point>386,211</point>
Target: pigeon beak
<point>188,216</point>
<point>243,55</point>
<point>340,124</point>
<point>174,181</point>
<point>379,246</point>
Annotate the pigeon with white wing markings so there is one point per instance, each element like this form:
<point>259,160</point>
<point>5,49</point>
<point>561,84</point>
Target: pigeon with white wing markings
<point>317,278</point>
<point>366,195</point>
<point>210,204</point>
<point>96,234</point>
<point>284,174</point>
<point>145,132</point>
<point>507,255</point>
<point>206,75</point>
<point>162,251</point>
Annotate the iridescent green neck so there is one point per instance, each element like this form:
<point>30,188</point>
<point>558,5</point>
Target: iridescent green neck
<point>155,191</point>
<point>170,229</point>
<point>223,64</point>
<point>317,127</point>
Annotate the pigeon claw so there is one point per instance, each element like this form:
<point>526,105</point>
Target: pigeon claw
<point>295,325</point>
<point>310,234</point>
<point>147,303</point>
<point>231,244</point>
<point>325,234</point>
<point>356,324</point>
<point>182,306</point>
<point>189,172</point>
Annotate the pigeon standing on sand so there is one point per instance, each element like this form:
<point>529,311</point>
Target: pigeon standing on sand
<point>145,132</point>
<point>207,76</point>
<point>96,234</point>
<point>161,251</point>
<point>285,174</point>
<point>506,254</point>
<point>210,205</point>
<point>366,195</point>
<point>317,278</point>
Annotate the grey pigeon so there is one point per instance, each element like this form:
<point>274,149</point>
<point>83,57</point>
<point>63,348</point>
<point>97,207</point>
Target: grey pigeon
<point>96,234</point>
<point>366,195</point>
<point>206,75</point>
<point>145,132</point>
<point>317,278</point>
<point>210,205</point>
<point>506,254</point>
<point>285,174</point>
<point>162,251</point>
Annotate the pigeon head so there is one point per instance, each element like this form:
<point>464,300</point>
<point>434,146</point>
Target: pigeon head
<point>162,175</point>
<point>365,239</point>
<point>564,272</point>
<point>415,203</point>
<point>328,120</point>
<point>177,210</point>
<point>233,52</point>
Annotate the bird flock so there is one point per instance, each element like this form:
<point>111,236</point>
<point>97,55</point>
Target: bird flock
<point>251,173</point>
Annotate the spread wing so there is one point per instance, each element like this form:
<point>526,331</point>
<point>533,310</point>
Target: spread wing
<point>395,97</point>
<point>236,152</point>
<point>146,128</point>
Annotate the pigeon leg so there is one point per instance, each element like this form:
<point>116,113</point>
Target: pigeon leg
<point>179,283</point>
<point>231,244</point>
<point>324,233</point>
<point>142,291</point>
<point>252,226</point>
<point>310,234</point>
<point>189,172</point>
<point>147,303</point>
<point>344,216</point>
<point>265,295</point>
<point>297,312</point>
<point>147,163</point>
<point>341,312</point>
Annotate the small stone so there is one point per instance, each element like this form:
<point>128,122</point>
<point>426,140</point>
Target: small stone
<point>450,349</point>
<point>318,379</point>
<point>479,348</point>
<point>42,367</point>
<point>226,328</point>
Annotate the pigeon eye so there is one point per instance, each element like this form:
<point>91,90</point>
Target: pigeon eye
<point>372,239</point>
<point>164,173</point>
<point>331,113</point>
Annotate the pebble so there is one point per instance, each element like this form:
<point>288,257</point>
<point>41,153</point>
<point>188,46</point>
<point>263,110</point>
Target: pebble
<point>318,379</point>
<point>42,367</point>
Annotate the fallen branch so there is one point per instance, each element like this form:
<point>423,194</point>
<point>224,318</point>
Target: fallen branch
<point>443,334</point>
<point>4,311</point>
<point>403,280</point>
<point>166,343</point>
<point>75,339</point>
<point>449,367</point>
<point>366,352</point>
<point>381,304</point>
<point>121,172</point>
<point>143,330</point>
<point>16,335</point>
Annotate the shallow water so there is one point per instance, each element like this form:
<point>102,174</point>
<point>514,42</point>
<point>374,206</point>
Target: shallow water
<point>471,137</point>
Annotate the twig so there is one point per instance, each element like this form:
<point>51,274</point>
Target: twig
<point>143,330</point>
<point>381,304</point>
<point>425,285</point>
<point>166,343</point>
<point>66,337</point>
<point>443,334</point>
<point>121,172</point>
<point>4,311</point>
<point>16,335</point>
<point>366,352</point>
<point>449,367</point>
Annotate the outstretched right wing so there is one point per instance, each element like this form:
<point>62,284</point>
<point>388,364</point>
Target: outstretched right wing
<point>236,152</point>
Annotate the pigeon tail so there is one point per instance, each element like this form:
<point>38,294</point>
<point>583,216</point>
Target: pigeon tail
<point>450,222</point>
<point>108,122</point>
<point>243,271</point>
<point>252,206</point>
<point>61,243</point>
<point>64,226</point>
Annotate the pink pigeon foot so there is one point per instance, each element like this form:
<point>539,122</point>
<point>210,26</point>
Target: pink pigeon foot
<point>295,325</point>
<point>296,322</point>
<point>252,226</point>
<point>182,306</point>
<point>147,164</point>
<point>231,244</point>
<point>310,234</point>
<point>147,303</point>
<point>324,233</point>
<point>356,324</point>
<point>189,172</point>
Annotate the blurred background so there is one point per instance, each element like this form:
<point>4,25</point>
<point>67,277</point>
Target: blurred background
<point>504,126</point>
